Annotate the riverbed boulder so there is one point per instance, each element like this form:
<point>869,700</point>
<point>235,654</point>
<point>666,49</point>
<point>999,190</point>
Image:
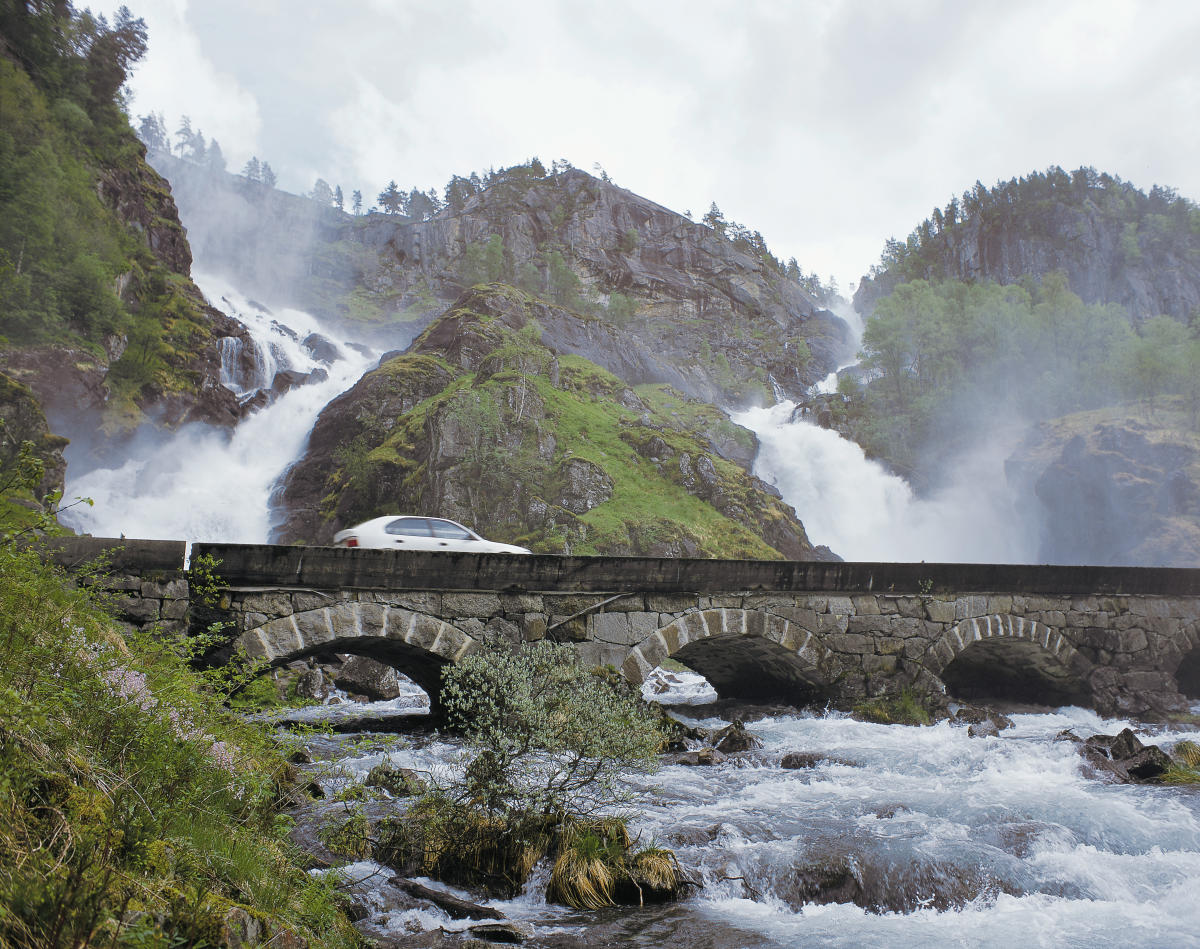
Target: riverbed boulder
<point>703,758</point>
<point>313,684</point>
<point>362,675</point>
<point>1124,757</point>
<point>734,738</point>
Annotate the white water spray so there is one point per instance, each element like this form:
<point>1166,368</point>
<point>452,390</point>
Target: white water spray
<point>201,484</point>
<point>862,512</point>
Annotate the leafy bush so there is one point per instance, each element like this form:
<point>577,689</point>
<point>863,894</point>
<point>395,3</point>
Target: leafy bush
<point>547,743</point>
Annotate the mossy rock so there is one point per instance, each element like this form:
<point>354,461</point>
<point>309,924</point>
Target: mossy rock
<point>398,782</point>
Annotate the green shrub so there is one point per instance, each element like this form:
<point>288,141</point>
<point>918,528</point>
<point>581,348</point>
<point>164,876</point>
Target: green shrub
<point>546,745</point>
<point>907,708</point>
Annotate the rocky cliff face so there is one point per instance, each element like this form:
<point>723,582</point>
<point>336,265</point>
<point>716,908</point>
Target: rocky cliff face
<point>1113,488</point>
<point>144,351</point>
<point>699,311</point>
<point>27,479</point>
<point>1115,243</point>
<point>492,420</point>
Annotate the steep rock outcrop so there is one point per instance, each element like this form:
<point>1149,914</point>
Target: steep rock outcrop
<point>704,313</point>
<point>487,422</point>
<point>22,422</point>
<point>1112,488</point>
<point>1115,243</point>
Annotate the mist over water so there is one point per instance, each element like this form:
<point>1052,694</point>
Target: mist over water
<point>863,512</point>
<point>203,483</point>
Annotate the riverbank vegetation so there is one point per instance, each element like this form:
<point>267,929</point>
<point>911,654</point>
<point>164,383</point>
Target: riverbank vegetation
<point>549,749</point>
<point>134,811</point>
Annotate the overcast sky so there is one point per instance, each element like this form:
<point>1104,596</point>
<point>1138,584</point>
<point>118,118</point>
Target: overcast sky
<point>829,125</point>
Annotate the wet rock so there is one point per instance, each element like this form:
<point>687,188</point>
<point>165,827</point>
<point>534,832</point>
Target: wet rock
<point>260,400</point>
<point>734,738</point>
<point>322,349</point>
<point>984,729</point>
<point>798,760</point>
<point>981,715</point>
<point>301,756</point>
<point>1124,757</point>
<point>456,907</point>
<point>399,782</point>
<point>373,680</point>
<point>702,758</point>
<point>287,379</point>
<point>504,931</point>
<point>691,836</point>
<point>312,684</point>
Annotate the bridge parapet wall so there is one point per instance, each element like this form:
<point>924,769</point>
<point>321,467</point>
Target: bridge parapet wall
<point>145,577</point>
<point>1115,637</point>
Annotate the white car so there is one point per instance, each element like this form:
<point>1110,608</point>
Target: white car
<point>404,532</point>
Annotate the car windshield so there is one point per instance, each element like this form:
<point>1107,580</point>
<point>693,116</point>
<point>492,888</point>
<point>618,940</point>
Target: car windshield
<point>411,526</point>
<point>450,530</point>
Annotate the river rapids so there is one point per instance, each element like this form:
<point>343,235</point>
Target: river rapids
<point>898,836</point>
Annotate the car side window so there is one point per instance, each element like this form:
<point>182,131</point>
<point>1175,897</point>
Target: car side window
<point>409,526</point>
<point>449,530</point>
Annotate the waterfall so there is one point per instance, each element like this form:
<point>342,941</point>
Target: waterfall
<point>863,512</point>
<point>203,483</point>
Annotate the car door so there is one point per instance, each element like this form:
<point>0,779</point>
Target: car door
<point>411,533</point>
<point>451,536</point>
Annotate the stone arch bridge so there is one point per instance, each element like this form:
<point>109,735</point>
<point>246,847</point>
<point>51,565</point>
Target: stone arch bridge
<point>1122,640</point>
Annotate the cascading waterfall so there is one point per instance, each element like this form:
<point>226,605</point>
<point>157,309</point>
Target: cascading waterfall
<point>203,483</point>
<point>863,512</point>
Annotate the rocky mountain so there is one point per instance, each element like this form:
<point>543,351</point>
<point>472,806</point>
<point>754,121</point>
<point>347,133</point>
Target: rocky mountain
<point>98,315</point>
<point>1114,242</point>
<point>713,314</point>
<point>1067,303</point>
<point>494,418</point>
<point>1114,487</point>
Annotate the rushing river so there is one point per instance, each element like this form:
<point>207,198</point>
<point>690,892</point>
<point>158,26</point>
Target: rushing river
<point>926,836</point>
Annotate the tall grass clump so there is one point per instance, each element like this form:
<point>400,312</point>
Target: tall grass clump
<point>134,811</point>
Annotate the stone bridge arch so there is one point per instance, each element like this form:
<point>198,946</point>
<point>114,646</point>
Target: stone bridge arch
<point>417,644</point>
<point>1000,656</point>
<point>748,654</point>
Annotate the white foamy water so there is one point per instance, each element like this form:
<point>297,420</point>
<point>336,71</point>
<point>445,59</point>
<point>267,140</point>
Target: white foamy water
<point>203,484</point>
<point>682,687</point>
<point>863,512</point>
<point>946,840</point>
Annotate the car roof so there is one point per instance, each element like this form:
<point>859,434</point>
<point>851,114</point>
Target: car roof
<point>392,517</point>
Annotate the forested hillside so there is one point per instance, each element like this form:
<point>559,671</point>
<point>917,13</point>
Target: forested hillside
<point>1114,242</point>
<point>721,317</point>
<point>1053,295</point>
<point>97,312</point>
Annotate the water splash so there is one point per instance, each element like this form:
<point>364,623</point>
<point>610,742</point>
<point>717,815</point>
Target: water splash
<point>863,512</point>
<point>203,484</point>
